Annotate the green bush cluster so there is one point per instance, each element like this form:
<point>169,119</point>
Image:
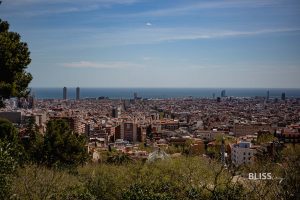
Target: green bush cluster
<point>59,148</point>
<point>181,178</point>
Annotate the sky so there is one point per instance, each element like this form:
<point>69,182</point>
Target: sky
<point>159,43</point>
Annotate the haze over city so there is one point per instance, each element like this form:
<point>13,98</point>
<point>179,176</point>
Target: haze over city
<point>142,43</point>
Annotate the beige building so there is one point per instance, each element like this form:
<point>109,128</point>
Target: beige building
<point>242,153</point>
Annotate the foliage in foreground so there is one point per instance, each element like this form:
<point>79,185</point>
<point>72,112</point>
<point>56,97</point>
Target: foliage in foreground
<point>181,178</point>
<point>184,178</point>
<point>62,147</point>
<point>14,59</point>
<point>8,166</point>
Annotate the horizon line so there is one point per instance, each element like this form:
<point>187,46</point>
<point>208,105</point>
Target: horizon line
<point>95,87</point>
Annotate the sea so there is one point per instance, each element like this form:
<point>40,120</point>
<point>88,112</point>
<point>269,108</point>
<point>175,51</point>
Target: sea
<point>163,93</point>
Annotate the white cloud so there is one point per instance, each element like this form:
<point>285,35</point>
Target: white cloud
<point>101,65</point>
<point>146,58</point>
<point>30,8</point>
<point>112,37</point>
<point>188,8</point>
<point>209,34</point>
<point>148,24</point>
<point>157,35</point>
<point>86,2</point>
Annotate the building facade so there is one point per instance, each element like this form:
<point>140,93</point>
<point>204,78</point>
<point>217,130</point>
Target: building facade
<point>242,153</point>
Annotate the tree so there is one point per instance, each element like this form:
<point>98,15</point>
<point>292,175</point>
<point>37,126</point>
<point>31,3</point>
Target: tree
<point>118,158</point>
<point>62,147</point>
<point>9,135</point>
<point>8,166</point>
<point>138,191</point>
<point>10,155</point>
<point>14,59</point>
<point>38,182</point>
<point>33,142</point>
<point>149,133</point>
<point>186,148</point>
<point>265,138</point>
<point>8,132</point>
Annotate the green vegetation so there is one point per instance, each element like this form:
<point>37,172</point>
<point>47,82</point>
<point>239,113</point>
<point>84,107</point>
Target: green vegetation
<point>33,142</point>
<point>8,132</point>
<point>149,133</point>
<point>38,182</point>
<point>8,165</point>
<point>14,59</point>
<point>265,138</point>
<point>62,147</point>
<point>285,183</point>
<point>9,137</point>
<point>118,158</point>
<point>215,151</point>
<point>180,178</point>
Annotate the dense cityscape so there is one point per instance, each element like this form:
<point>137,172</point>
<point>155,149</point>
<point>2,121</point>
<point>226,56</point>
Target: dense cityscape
<point>160,123</point>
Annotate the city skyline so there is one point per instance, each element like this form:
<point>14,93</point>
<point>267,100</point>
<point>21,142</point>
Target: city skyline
<point>142,43</point>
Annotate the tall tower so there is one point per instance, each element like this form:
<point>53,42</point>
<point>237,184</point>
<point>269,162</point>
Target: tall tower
<point>77,93</point>
<point>223,93</point>
<point>283,96</point>
<point>114,112</point>
<point>65,93</point>
<point>135,95</point>
<point>268,95</point>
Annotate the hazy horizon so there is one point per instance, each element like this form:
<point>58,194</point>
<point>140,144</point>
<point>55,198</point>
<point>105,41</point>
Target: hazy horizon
<point>159,44</point>
<point>127,93</point>
<point>95,87</point>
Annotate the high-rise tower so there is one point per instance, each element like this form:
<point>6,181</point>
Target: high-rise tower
<point>283,96</point>
<point>65,95</point>
<point>135,95</point>
<point>77,93</point>
<point>223,93</point>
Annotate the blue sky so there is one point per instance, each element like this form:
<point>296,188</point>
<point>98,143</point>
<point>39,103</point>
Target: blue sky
<point>160,43</point>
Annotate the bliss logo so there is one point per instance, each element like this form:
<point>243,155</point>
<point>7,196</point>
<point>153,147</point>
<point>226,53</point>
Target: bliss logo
<point>260,176</point>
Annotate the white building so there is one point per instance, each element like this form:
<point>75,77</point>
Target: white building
<point>242,153</point>
<point>209,135</point>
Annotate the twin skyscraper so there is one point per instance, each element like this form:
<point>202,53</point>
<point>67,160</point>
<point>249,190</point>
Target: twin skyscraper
<point>65,93</point>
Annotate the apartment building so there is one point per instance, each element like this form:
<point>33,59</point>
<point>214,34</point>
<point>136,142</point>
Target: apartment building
<point>242,153</point>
